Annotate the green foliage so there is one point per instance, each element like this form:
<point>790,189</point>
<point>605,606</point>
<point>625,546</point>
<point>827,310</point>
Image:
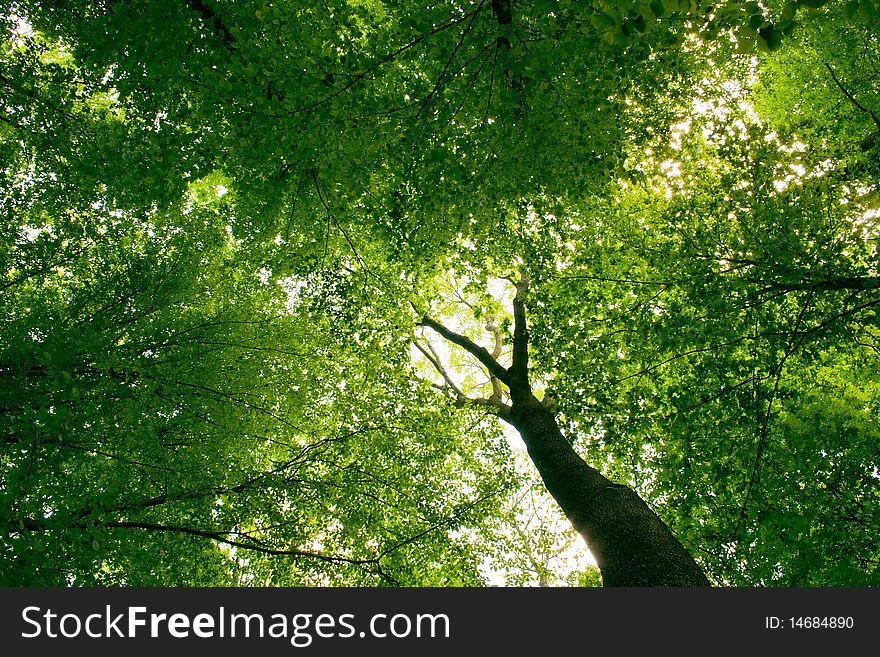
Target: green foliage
<point>221,222</point>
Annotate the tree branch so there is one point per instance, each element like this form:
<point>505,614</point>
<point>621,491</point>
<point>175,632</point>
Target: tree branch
<point>478,352</point>
<point>847,283</point>
<point>494,402</point>
<point>432,357</point>
<point>520,367</point>
<point>492,327</point>
<point>791,347</point>
<point>503,10</point>
<point>498,407</point>
<point>850,97</point>
<point>868,142</point>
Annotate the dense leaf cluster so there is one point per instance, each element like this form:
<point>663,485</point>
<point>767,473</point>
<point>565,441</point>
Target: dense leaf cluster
<point>222,222</point>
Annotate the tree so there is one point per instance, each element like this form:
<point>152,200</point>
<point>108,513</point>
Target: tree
<point>632,545</point>
<point>251,254</point>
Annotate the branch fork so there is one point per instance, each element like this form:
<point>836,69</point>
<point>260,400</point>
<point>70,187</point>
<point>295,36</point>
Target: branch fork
<point>514,377</point>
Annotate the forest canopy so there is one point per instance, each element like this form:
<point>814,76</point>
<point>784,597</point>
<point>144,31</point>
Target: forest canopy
<point>385,293</point>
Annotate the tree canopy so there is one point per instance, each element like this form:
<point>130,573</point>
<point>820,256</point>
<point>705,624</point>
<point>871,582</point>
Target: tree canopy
<point>278,278</point>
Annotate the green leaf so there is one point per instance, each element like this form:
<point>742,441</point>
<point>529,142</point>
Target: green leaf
<point>223,232</point>
<point>602,22</point>
<point>789,11</point>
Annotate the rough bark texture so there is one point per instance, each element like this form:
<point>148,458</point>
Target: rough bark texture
<point>632,546</point>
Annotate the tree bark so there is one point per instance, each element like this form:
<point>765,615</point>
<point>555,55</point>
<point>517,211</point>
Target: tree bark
<point>631,544</point>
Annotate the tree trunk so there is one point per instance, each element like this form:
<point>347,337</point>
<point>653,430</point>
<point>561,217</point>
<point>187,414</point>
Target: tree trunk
<point>632,546</point>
